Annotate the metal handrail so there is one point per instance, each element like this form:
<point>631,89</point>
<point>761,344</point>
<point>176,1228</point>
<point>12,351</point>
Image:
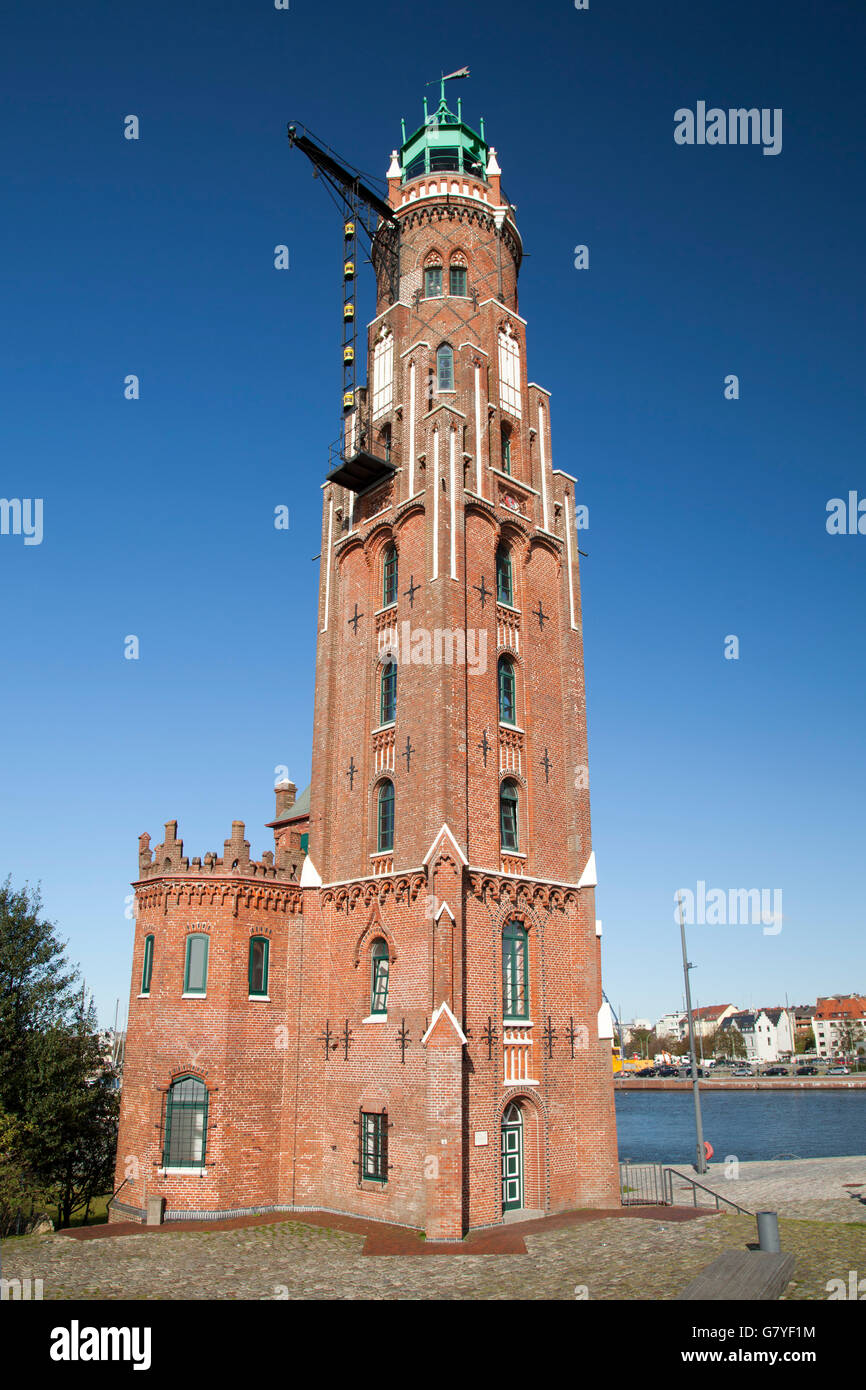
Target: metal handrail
<point>695,1185</point>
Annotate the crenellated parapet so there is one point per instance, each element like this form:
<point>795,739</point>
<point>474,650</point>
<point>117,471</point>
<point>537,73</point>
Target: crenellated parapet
<point>168,859</point>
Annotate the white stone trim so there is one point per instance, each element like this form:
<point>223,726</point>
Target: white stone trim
<point>328,562</point>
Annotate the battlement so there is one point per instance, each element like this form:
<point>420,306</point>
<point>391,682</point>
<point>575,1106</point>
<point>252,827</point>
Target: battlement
<point>168,859</point>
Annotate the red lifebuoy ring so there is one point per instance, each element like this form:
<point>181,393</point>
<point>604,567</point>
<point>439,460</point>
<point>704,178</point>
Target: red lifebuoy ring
<point>708,1149</point>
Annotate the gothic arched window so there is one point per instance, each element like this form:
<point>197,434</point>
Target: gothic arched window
<point>509,371</point>
<point>185,1139</point>
<point>385,817</point>
<point>508,836</point>
<point>380,963</point>
<point>433,277</point>
<point>383,373</point>
<point>515,971</point>
<point>507,691</point>
<point>457,274</point>
<point>389,575</point>
<point>504,578</point>
<point>388,693</point>
<point>445,368</point>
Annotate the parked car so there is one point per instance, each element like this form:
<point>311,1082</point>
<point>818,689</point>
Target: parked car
<point>741,1071</point>
<point>649,1071</point>
<point>837,1071</point>
<point>668,1071</point>
<point>777,1071</point>
<point>687,1072</point>
<point>807,1071</point>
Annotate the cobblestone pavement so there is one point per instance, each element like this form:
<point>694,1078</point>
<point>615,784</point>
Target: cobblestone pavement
<point>612,1258</point>
<point>805,1187</point>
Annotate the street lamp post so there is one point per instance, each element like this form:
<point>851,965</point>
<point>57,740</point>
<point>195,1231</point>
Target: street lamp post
<point>701,1164</point>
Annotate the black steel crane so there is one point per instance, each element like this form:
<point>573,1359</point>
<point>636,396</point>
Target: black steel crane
<point>366,211</point>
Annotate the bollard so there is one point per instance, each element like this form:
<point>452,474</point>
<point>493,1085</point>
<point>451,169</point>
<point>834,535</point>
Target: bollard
<point>768,1231</point>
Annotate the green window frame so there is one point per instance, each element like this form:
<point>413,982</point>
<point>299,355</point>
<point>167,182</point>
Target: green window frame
<point>385,817</point>
<point>195,964</point>
<point>147,965</point>
<point>445,368</point>
<point>504,577</point>
<point>258,967</point>
<point>508,823</point>
<point>457,280</point>
<point>389,576</point>
<point>388,693</point>
<point>515,971</point>
<point>432,281</point>
<point>507,691</point>
<point>373,1137</point>
<point>185,1130</point>
<point>380,969</point>
<point>506,452</point>
<point>305,841</point>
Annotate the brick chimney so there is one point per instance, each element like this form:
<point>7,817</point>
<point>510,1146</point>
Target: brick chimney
<point>286,795</point>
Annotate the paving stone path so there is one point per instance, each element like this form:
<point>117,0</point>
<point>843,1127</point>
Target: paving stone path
<point>828,1189</point>
<point>612,1258</point>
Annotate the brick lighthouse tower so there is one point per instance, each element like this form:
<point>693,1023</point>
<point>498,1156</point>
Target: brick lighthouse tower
<point>423,1039</point>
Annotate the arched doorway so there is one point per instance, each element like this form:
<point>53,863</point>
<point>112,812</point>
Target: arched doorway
<point>512,1157</point>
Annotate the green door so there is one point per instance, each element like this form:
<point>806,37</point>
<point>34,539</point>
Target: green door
<point>512,1158</point>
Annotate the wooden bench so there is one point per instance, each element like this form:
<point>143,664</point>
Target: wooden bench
<point>749,1275</point>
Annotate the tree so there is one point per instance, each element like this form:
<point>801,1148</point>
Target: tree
<point>73,1107</point>
<point>642,1041</point>
<point>19,1191</point>
<point>735,1042</point>
<point>37,988</point>
<point>56,1077</point>
<point>850,1038</point>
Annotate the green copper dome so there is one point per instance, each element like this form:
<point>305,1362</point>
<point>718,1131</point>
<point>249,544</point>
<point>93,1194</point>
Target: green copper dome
<point>443,142</point>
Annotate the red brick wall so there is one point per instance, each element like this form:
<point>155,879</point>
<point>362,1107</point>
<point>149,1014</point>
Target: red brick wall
<point>286,1094</point>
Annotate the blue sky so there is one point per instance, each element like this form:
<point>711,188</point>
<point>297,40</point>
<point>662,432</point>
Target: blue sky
<point>707,516</point>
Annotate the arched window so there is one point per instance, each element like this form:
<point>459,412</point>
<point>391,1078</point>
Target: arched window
<point>257,972</point>
<point>515,971</point>
<point>445,368</point>
<point>185,1140</point>
<point>507,691</point>
<point>506,451</point>
<point>433,279</point>
<point>383,373</point>
<point>509,371</point>
<point>388,693</point>
<point>380,962</point>
<point>457,276</point>
<point>508,816</point>
<point>147,967</point>
<point>389,576</point>
<point>504,579</point>
<point>385,817</point>
<point>195,969</point>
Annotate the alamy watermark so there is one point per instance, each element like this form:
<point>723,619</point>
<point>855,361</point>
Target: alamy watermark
<point>732,907</point>
<point>421,646</point>
<point>22,516</point>
<point>736,126</point>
